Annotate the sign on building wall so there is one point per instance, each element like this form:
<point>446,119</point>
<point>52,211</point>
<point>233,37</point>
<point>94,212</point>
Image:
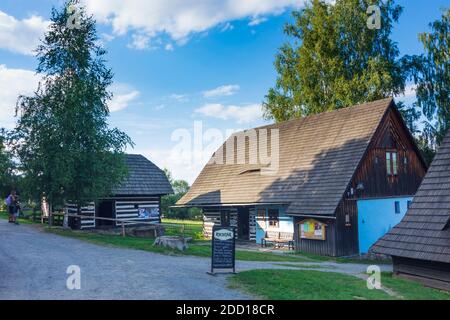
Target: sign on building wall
<point>148,213</point>
<point>312,229</point>
<point>223,248</point>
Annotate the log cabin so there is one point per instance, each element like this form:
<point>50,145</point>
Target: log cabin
<point>137,199</point>
<point>334,182</point>
<point>420,243</point>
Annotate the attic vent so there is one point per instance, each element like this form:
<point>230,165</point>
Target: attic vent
<point>250,171</point>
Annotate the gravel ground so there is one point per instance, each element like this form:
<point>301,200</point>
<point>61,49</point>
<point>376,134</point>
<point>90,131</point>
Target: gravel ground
<point>33,265</point>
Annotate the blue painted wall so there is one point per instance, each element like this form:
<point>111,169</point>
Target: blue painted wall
<point>286,223</point>
<point>376,217</point>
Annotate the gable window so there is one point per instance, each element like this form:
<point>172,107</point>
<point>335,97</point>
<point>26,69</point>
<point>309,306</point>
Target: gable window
<point>397,207</point>
<point>391,163</point>
<point>274,218</point>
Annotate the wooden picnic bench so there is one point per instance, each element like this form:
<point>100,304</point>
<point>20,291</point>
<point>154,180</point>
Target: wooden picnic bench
<point>279,239</point>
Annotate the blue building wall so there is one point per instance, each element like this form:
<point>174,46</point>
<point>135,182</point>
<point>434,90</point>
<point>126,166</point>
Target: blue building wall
<point>286,223</point>
<point>376,217</point>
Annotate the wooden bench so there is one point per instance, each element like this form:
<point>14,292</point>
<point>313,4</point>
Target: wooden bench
<point>279,239</point>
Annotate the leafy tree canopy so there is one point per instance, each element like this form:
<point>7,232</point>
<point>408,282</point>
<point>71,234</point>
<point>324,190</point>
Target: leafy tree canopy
<point>180,188</point>
<point>431,74</point>
<point>6,168</point>
<point>333,60</point>
<point>65,147</point>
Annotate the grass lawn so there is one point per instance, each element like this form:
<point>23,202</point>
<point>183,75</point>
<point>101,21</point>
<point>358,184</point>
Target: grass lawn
<point>178,221</point>
<point>412,290</point>
<point>316,257</point>
<point>200,246</point>
<point>303,285</point>
<point>189,228</point>
<point>316,285</point>
<point>197,248</point>
<point>4,215</point>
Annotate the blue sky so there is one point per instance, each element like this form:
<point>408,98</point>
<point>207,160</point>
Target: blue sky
<point>178,64</point>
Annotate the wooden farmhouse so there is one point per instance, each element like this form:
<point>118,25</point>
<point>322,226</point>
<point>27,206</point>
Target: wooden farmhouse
<point>420,243</point>
<point>137,199</point>
<point>336,182</point>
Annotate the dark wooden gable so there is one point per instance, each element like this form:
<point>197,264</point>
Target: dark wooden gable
<point>424,232</point>
<point>372,179</point>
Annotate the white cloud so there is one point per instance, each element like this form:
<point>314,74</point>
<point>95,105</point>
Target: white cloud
<point>21,36</point>
<point>241,114</point>
<point>409,96</point>
<point>180,19</point>
<point>410,91</point>
<point>123,96</point>
<point>14,82</point>
<point>139,42</point>
<point>257,20</point>
<point>179,97</point>
<point>227,27</point>
<point>226,90</point>
<point>169,47</point>
<point>106,37</point>
<point>170,159</point>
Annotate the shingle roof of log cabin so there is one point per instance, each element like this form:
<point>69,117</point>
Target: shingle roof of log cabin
<point>424,232</point>
<point>144,178</point>
<point>318,156</point>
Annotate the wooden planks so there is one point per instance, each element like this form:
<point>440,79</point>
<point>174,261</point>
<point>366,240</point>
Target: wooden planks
<point>129,210</point>
<point>318,156</point>
<point>424,233</point>
<point>89,210</point>
<point>212,216</point>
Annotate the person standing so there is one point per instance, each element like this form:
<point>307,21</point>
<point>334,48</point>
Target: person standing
<point>11,203</point>
<point>16,209</point>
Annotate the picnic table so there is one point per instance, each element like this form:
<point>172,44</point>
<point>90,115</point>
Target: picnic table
<point>279,238</point>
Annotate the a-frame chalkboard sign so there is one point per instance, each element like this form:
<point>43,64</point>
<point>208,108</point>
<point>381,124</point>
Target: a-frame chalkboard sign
<point>223,249</point>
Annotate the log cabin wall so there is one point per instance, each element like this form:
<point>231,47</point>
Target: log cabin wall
<point>86,212</point>
<point>128,209</point>
<point>252,224</point>
<point>431,273</point>
<point>212,216</point>
<point>373,181</point>
<point>372,175</point>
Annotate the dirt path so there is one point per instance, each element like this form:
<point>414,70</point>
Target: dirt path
<point>33,265</point>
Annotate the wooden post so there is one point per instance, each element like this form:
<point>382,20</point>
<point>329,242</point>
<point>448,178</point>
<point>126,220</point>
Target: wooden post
<point>123,229</point>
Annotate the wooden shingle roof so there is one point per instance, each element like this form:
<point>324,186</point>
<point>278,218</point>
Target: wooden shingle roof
<point>318,156</point>
<point>144,178</point>
<point>424,232</point>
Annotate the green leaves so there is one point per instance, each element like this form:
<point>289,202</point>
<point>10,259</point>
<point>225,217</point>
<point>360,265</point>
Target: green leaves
<point>334,61</point>
<point>65,147</point>
<point>180,188</point>
<point>431,74</point>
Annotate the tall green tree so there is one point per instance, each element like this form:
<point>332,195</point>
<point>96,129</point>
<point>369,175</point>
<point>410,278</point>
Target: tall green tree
<point>431,74</point>
<point>6,167</point>
<point>66,149</point>
<point>334,60</point>
<point>180,188</point>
